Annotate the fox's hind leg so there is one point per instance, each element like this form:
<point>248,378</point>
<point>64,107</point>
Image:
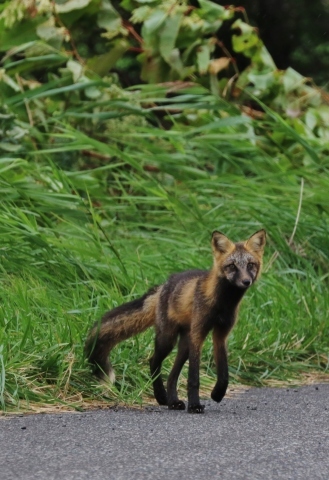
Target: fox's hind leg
<point>164,343</point>
<point>182,355</point>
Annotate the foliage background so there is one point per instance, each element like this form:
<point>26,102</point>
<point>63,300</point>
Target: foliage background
<point>296,34</point>
<point>128,133</point>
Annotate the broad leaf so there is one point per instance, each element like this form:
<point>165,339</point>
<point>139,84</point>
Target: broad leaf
<point>154,22</point>
<point>203,58</point>
<point>247,37</point>
<point>70,5</point>
<point>168,35</point>
<point>101,64</point>
<point>109,19</point>
<point>212,11</point>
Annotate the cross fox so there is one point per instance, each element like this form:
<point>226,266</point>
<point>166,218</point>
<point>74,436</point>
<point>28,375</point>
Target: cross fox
<point>186,307</point>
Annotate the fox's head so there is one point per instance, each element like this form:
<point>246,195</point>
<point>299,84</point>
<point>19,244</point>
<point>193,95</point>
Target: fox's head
<point>240,263</point>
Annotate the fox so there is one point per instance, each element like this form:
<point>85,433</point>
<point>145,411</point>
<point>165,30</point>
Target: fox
<point>184,309</point>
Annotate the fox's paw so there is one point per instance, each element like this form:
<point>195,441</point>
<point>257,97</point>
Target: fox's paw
<point>196,408</point>
<point>218,393</point>
<point>177,405</point>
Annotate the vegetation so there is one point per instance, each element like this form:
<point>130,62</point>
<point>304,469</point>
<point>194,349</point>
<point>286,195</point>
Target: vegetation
<point>296,35</point>
<point>107,190</point>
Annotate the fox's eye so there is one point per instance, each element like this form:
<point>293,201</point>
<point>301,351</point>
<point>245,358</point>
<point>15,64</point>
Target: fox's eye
<point>251,265</point>
<point>231,267</point>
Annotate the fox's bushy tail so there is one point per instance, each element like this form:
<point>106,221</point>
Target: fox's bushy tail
<point>117,325</point>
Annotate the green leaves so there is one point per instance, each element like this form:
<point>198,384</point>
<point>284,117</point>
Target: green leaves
<point>169,31</point>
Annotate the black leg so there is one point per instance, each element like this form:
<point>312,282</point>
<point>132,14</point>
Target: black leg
<point>194,405</point>
<point>220,355</point>
<point>163,346</point>
<point>182,355</point>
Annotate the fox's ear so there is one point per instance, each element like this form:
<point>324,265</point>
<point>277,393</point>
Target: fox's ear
<point>220,243</point>
<point>256,242</point>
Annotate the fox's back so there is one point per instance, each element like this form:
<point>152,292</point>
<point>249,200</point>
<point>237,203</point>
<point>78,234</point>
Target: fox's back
<point>178,295</point>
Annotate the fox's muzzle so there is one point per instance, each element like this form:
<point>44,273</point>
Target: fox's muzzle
<point>243,282</point>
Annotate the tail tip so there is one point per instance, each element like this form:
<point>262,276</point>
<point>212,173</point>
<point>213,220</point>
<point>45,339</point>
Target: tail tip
<point>107,378</point>
<point>104,373</point>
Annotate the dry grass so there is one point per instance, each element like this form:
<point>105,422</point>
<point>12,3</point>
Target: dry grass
<point>77,403</point>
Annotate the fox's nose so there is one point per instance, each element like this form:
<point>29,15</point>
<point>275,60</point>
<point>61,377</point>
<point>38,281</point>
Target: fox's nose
<point>246,282</point>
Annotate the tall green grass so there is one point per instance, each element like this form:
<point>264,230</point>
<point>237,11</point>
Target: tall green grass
<point>91,220</point>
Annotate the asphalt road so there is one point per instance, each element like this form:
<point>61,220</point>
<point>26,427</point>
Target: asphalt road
<point>260,434</point>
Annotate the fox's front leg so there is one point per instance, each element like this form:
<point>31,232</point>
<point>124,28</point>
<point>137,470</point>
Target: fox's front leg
<point>220,355</point>
<point>193,385</point>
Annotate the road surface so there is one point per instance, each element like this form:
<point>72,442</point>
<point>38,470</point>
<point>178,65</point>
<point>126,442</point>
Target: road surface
<point>260,434</point>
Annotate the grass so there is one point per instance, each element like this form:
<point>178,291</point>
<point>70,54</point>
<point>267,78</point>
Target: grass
<point>77,241</point>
